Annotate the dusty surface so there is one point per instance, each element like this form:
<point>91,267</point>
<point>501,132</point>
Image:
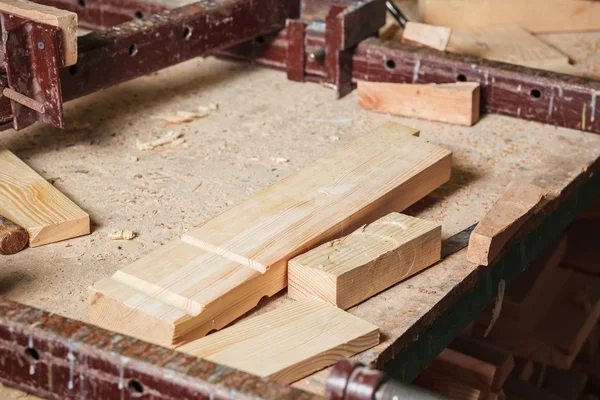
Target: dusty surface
<point>265,128</point>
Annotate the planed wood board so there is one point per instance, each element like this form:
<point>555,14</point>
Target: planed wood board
<point>455,103</point>
<point>506,43</point>
<point>220,270</point>
<point>30,201</point>
<point>448,386</point>
<point>436,37</point>
<point>288,343</point>
<point>346,271</point>
<point>507,215</point>
<point>533,15</point>
<point>66,21</point>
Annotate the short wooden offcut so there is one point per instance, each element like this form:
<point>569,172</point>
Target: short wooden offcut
<point>66,21</point>
<point>288,343</point>
<point>221,269</point>
<point>507,215</point>
<point>30,201</point>
<point>435,37</point>
<point>349,270</point>
<point>455,103</point>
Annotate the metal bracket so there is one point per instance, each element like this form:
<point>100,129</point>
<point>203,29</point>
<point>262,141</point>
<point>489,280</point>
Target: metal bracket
<point>33,57</point>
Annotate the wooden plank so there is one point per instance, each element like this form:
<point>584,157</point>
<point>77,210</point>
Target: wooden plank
<point>455,103</point>
<point>507,43</point>
<point>500,360</point>
<point>514,207</point>
<point>30,201</point>
<point>66,21</point>
<point>220,270</point>
<point>465,368</point>
<point>347,271</point>
<point>288,343</point>
<point>529,296</point>
<point>533,15</point>
<point>436,37</point>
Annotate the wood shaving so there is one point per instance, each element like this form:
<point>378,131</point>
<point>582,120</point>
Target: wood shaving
<point>181,117</point>
<point>169,137</point>
<point>132,158</point>
<point>280,160</point>
<point>123,234</point>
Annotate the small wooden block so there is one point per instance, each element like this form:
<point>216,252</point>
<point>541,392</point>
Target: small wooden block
<point>347,271</point>
<point>438,382</point>
<point>288,343</point>
<point>66,21</point>
<point>462,367</point>
<point>455,103</point>
<point>436,37</point>
<point>507,215</point>
<point>30,201</point>
<point>13,238</point>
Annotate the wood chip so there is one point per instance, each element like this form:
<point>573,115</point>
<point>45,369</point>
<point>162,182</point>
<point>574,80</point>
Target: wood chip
<point>169,137</point>
<point>123,234</point>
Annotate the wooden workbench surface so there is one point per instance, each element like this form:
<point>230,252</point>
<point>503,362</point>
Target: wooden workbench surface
<point>265,128</point>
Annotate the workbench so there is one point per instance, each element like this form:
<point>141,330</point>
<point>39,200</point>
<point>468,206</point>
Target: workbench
<point>265,128</point>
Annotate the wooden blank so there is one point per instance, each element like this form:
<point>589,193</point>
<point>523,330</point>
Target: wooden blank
<point>347,271</point>
<point>533,15</point>
<point>477,373</point>
<point>66,21</point>
<point>448,386</point>
<point>507,215</point>
<point>455,103</point>
<point>220,270</point>
<point>288,343</point>
<point>30,201</point>
<point>507,43</point>
<point>436,37</point>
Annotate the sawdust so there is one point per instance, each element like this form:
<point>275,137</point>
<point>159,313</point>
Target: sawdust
<point>170,138</point>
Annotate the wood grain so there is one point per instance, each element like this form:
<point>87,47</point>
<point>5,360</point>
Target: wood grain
<point>455,103</point>
<point>507,215</point>
<point>220,270</point>
<point>347,271</point>
<point>13,238</point>
<point>288,343</point>
<point>66,21</point>
<point>31,202</point>
<point>436,37</point>
<point>533,15</point>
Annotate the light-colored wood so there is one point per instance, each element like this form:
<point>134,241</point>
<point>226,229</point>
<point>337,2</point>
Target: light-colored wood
<point>448,386</point>
<point>507,215</point>
<point>288,343</point>
<point>30,201</point>
<point>499,362</point>
<point>465,368</point>
<point>507,43</point>
<point>347,271</point>
<point>455,103</point>
<point>436,37</point>
<point>66,21</point>
<point>220,270</point>
<point>533,15</point>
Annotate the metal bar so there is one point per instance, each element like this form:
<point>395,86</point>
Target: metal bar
<point>24,100</point>
<point>60,358</point>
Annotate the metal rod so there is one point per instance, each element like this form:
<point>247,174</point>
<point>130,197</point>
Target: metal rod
<point>24,100</point>
<point>396,13</point>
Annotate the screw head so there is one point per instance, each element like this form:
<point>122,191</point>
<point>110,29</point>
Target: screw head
<point>41,45</point>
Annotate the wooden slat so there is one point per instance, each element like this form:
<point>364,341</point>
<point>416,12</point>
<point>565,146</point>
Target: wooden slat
<point>221,269</point>
<point>347,271</point>
<point>66,21</point>
<point>455,103</point>
<point>288,343</point>
<point>533,15</point>
<point>507,215</point>
<point>436,37</point>
<point>30,201</point>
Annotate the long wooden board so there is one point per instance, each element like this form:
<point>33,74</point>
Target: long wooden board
<point>288,343</point>
<point>512,209</point>
<point>455,103</point>
<point>347,271</point>
<point>221,269</point>
<point>66,21</point>
<point>30,201</point>
<point>533,15</point>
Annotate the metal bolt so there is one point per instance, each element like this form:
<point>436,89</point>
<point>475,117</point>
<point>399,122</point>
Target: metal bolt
<point>41,45</point>
<point>317,54</point>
